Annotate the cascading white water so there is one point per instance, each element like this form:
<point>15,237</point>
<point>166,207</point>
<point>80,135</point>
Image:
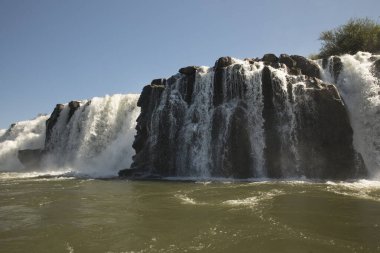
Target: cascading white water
<point>2,132</point>
<point>197,120</point>
<point>28,134</point>
<point>97,140</point>
<point>204,135</point>
<point>287,116</point>
<point>360,90</point>
<point>255,104</point>
<point>250,76</point>
<point>191,125</point>
<point>272,118</point>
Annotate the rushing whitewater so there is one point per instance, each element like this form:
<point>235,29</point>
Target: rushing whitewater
<point>195,137</point>
<point>93,139</point>
<point>28,134</point>
<point>355,77</point>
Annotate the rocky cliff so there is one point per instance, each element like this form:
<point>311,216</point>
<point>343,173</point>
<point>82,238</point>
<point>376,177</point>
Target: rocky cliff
<point>271,117</point>
<point>254,118</point>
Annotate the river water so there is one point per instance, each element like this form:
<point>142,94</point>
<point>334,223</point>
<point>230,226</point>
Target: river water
<point>87,215</point>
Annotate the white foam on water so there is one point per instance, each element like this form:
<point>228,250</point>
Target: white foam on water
<point>69,248</point>
<point>254,201</point>
<point>362,189</point>
<point>186,200</point>
<point>33,174</point>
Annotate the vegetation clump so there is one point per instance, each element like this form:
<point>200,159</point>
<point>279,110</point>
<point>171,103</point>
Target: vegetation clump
<point>360,34</point>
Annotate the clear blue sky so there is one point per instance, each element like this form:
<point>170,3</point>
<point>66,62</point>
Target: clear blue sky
<point>55,51</point>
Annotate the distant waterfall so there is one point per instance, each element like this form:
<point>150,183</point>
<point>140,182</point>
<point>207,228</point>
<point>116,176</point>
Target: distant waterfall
<point>28,134</point>
<point>356,80</point>
<point>97,139</point>
<point>94,140</point>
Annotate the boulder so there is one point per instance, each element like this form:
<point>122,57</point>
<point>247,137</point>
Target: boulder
<point>285,59</point>
<point>307,67</point>
<point>223,62</point>
<point>251,60</point>
<point>73,106</point>
<point>270,58</point>
<point>158,82</point>
<point>190,70</point>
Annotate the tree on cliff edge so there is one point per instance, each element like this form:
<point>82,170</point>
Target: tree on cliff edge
<point>361,34</point>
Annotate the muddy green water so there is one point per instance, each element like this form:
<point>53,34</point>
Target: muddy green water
<point>72,215</point>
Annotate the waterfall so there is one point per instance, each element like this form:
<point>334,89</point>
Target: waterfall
<point>196,131</point>
<point>28,134</point>
<point>93,140</point>
<point>193,159</point>
<point>96,140</point>
<point>355,77</point>
<point>252,118</point>
<point>245,119</point>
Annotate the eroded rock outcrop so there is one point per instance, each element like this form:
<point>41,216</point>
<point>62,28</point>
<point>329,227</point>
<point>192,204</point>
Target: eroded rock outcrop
<point>245,119</point>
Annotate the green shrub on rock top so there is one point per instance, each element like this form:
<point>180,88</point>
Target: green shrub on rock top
<point>361,34</point>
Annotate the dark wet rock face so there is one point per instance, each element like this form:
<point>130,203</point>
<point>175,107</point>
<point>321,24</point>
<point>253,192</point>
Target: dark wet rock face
<point>148,101</point>
<point>50,123</point>
<point>270,58</point>
<point>73,105</point>
<point>307,67</point>
<point>224,62</point>
<point>287,60</point>
<point>244,120</point>
<point>238,159</point>
<point>159,82</point>
<point>30,158</point>
<point>376,68</point>
<point>335,67</point>
<point>190,70</point>
<point>272,135</point>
